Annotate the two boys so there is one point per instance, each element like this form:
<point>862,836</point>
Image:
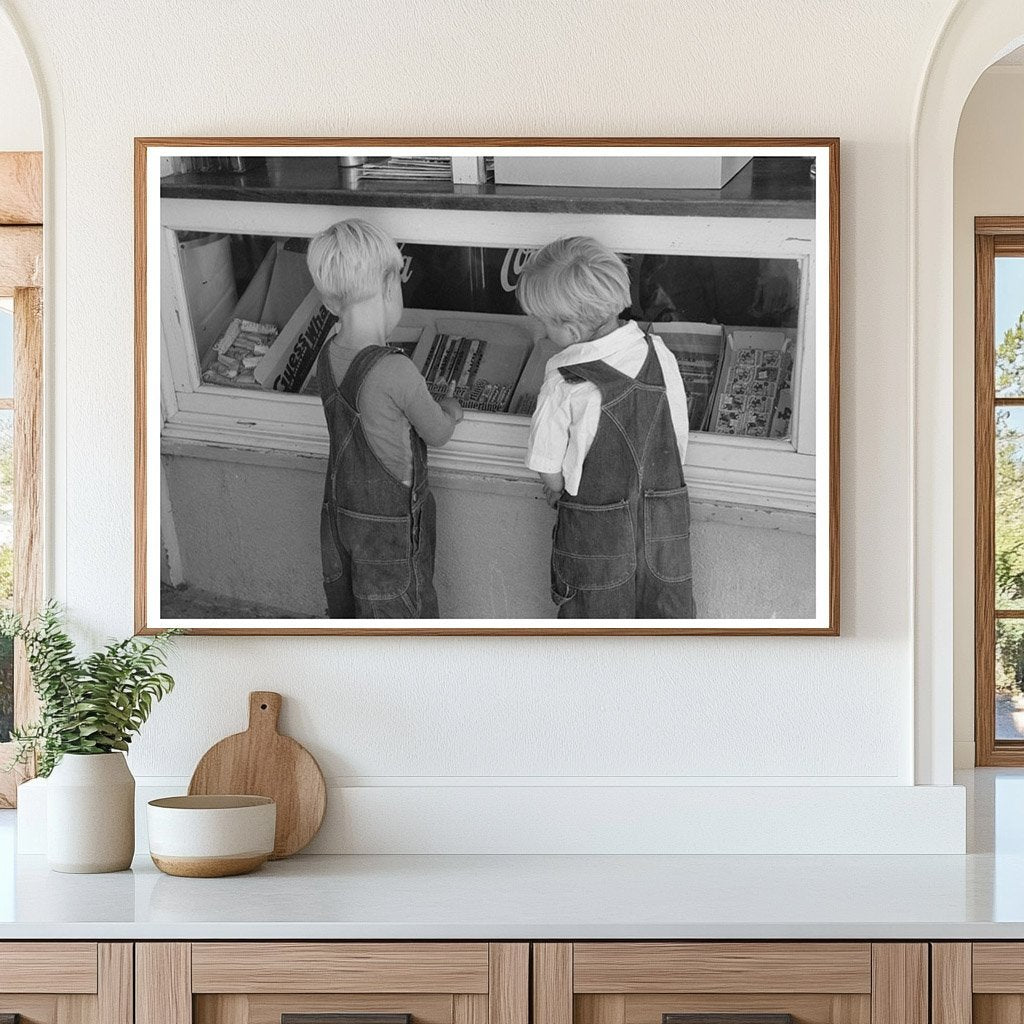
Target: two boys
<point>608,439</point>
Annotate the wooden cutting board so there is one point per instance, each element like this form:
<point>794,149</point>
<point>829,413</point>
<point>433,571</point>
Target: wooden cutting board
<point>262,762</point>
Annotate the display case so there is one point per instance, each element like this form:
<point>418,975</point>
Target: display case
<point>729,286</point>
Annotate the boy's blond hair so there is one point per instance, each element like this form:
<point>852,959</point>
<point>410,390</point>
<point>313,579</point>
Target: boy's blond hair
<point>574,281</point>
<point>351,261</point>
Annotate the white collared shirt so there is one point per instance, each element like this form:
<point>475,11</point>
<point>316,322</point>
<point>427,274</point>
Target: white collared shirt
<point>565,422</point>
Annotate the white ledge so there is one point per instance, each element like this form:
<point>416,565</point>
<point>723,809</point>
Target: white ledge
<point>732,471</point>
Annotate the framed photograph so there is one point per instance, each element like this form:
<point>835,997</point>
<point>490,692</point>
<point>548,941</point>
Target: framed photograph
<point>487,386</point>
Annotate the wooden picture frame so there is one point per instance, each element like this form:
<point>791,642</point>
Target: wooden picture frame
<point>993,237</point>
<point>176,406</point>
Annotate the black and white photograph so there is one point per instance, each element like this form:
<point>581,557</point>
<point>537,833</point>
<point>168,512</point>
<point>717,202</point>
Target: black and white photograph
<point>457,386</point>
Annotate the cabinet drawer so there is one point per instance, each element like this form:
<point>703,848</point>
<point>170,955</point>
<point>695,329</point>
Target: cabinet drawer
<point>981,982</point>
<point>998,967</point>
<point>66,982</point>
<point>730,983</point>
<point>332,983</point>
<point>633,967</point>
<point>64,967</point>
<point>340,967</point>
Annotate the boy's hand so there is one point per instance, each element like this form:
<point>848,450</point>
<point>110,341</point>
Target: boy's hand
<point>551,495</point>
<point>452,408</point>
<point>553,485</point>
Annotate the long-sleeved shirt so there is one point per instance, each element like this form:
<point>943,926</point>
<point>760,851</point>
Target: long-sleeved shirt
<point>565,422</point>
<point>394,395</point>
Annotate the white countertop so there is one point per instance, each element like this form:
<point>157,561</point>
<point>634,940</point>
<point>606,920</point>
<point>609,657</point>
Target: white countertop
<point>496,897</point>
<point>980,895</point>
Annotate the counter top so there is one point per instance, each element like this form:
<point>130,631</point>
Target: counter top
<point>540,897</point>
<point>976,896</point>
<point>766,187</point>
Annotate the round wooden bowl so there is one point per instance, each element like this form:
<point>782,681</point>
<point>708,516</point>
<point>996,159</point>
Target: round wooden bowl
<point>211,836</point>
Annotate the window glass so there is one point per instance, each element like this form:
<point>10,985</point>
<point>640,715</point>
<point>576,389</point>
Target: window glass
<point>730,322</point>
<point>1009,496</point>
<point>1009,679</point>
<point>1009,512</point>
<point>1009,324</point>
<point>6,351</point>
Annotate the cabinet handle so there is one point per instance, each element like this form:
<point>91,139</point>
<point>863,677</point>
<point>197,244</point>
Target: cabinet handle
<point>727,1018</point>
<point>338,1018</point>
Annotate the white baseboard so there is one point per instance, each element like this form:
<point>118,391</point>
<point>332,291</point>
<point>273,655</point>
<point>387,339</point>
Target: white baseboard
<point>571,819</point>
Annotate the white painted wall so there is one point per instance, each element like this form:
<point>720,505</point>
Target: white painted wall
<point>697,712</point>
<point>21,127</point>
<point>988,182</point>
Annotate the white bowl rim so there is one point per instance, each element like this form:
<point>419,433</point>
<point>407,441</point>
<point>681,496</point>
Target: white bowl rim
<point>212,802</point>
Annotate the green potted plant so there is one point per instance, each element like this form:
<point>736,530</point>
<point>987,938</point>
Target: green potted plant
<point>90,708</point>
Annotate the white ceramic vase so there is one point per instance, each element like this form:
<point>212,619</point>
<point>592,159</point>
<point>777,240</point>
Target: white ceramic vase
<point>90,814</point>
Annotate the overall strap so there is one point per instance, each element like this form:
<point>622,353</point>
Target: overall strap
<point>609,380</point>
<point>326,383</point>
<point>651,373</point>
<point>365,360</point>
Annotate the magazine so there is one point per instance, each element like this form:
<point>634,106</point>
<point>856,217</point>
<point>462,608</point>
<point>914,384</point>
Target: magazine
<point>756,376</point>
<point>699,351</point>
<point>453,370</point>
<point>477,362</point>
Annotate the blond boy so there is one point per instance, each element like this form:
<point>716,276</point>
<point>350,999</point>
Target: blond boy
<point>378,521</point>
<point>608,439</point>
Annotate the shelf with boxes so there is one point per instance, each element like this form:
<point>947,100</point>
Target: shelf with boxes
<point>730,295</point>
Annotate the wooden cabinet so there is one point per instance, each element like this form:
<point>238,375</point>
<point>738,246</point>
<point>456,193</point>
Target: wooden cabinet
<point>498,983</point>
<point>262,982</point>
<point>978,983</point>
<point>66,982</point>
<point>753,982</point>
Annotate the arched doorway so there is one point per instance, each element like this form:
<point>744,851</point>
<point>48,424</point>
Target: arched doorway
<point>977,33</point>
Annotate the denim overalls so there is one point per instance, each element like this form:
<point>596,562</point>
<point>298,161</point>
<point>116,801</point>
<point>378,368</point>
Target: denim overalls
<point>621,547</point>
<point>376,533</point>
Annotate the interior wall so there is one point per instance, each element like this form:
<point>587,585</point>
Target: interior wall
<point>695,711</point>
<point>987,182</point>
<point>21,126</point>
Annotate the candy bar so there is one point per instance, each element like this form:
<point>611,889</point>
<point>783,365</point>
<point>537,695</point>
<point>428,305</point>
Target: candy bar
<point>252,327</point>
<point>227,339</point>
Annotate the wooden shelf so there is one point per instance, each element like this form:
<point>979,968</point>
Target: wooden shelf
<point>767,187</point>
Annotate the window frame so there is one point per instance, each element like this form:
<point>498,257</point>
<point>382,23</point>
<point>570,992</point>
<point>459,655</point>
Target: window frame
<point>21,277</point>
<point>778,474</point>
<point>993,237</point>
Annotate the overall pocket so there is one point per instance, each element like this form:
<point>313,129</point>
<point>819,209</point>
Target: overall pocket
<point>594,546</point>
<point>381,551</point>
<point>667,534</point>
